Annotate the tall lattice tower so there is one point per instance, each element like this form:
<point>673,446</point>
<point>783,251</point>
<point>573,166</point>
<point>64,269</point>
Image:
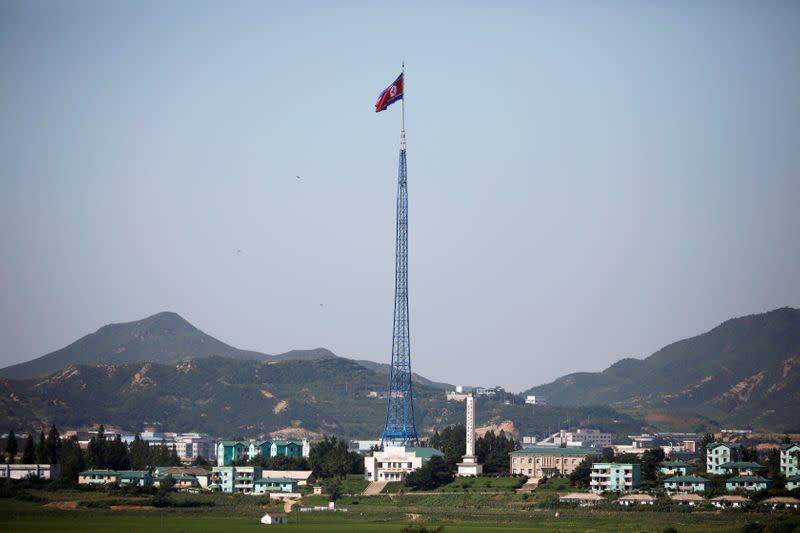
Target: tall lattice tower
<point>400,428</point>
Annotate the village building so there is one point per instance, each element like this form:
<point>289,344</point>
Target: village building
<point>719,453</point>
<point>793,482</point>
<point>543,461</point>
<point>43,471</point>
<point>781,502</point>
<point>98,477</point>
<point>689,499</point>
<point>790,459</point>
<point>275,518</point>
<point>609,477</point>
<point>303,477</point>
<point>275,484</point>
<point>747,483</point>
<point>742,468</point>
<point>674,468</point>
<point>687,484</point>
<point>393,463</point>
<point>138,478</point>
<point>230,451</point>
<point>583,499</point>
<point>732,500</point>
<point>636,499</point>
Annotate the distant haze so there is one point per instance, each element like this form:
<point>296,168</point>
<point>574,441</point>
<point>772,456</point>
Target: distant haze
<point>587,180</point>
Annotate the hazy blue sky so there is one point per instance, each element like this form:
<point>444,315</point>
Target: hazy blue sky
<point>587,180</point>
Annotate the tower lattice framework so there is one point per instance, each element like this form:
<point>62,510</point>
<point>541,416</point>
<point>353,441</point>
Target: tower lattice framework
<point>400,428</point>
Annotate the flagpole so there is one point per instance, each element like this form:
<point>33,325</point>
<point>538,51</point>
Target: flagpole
<point>403,110</point>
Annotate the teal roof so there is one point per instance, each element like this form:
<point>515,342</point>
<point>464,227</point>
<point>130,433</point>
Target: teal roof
<point>99,473</point>
<point>740,479</point>
<point>686,479</point>
<point>553,450</point>
<point>675,464</point>
<point>275,480</point>
<point>137,474</point>
<point>287,442</point>
<point>785,447</point>
<point>795,477</point>
<point>742,465</point>
<point>232,442</point>
<point>425,453</point>
<point>726,444</point>
<point>260,442</point>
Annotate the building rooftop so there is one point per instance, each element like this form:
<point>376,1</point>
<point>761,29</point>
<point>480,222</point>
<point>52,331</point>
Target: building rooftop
<point>550,450</point>
<point>782,499</point>
<point>789,446</point>
<point>638,497</point>
<point>276,480</point>
<point>795,477</point>
<point>690,497</point>
<point>730,498</point>
<point>586,496</point>
<point>725,444</point>
<point>674,464</point>
<point>754,479</point>
<point>686,479</point>
<point>425,453</point>
<point>742,465</point>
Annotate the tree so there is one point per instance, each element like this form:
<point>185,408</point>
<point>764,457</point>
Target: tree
<point>41,449</point>
<point>649,468</point>
<point>581,474</point>
<point>773,463</point>
<point>707,439</point>
<point>11,446</point>
<point>749,455</point>
<point>71,459</point>
<point>433,474</point>
<point>166,484</point>
<point>452,442</point>
<point>52,445</point>
<point>331,457</point>
<point>29,453</point>
<point>200,461</point>
<point>492,450</point>
<point>334,489</point>
<point>139,452</point>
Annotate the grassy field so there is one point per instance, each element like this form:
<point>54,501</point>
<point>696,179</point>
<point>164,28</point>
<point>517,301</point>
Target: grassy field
<point>483,510</point>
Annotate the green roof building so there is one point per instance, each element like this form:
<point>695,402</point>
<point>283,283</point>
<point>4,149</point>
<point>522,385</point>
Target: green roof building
<point>719,453</point>
<point>742,468</point>
<point>687,484</point>
<point>547,461</point>
<point>611,477</point>
<point>793,482</point>
<point>674,468</point>
<point>747,483</point>
<point>790,459</point>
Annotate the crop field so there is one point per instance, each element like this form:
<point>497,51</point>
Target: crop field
<point>82,511</point>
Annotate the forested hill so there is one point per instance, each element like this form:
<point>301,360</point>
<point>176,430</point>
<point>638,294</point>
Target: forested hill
<point>746,371</point>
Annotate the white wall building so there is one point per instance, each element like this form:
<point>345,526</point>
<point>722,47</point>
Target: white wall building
<point>33,470</point>
<point>536,400</point>
<point>580,438</point>
<point>394,462</point>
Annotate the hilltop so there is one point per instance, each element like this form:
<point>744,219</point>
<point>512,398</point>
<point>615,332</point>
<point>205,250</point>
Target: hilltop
<point>745,372</point>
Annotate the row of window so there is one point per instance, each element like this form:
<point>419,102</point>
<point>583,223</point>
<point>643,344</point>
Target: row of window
<point>539,460</point>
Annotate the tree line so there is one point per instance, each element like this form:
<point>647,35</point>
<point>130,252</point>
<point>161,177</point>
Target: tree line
<point>100,453</point>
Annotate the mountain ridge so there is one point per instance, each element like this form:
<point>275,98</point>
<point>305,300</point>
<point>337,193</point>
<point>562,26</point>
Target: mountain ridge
<point>744,368</point>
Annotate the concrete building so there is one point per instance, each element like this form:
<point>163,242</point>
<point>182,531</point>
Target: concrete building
<point>42,471</point>
<point>545,461</point>
<point>138,478</point>
<point>303,477</point>
<point>580,438</point>
<point>793,482</point>
<point>583,499</point>
<point>790,459</point>
<point>689,499</point>
<point>469,465</point>
<point>742,468</point>
<point>190,446</point>
<point>275,484</point>
<point>535,400</point>
<point>674,468</point>
<point>98,477</point>
<point>732,500</point>
<point>637,499</point>
<point>490,391</point>
<point>687,484</point>
<point>610,477</point>
<point>229,451</point>
<point>393,463</point>
<point>781,502</point>
<point>235,479</point>
<point>747,483</point>
<point>719,453</point>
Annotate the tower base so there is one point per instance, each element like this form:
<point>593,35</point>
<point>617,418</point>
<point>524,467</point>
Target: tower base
<point>469,466</point>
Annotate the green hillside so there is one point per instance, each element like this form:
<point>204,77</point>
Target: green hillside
<point>229,397</point>
<point>745,371</point>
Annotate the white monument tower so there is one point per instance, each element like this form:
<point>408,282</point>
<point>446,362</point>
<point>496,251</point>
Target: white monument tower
<point>470,465</point>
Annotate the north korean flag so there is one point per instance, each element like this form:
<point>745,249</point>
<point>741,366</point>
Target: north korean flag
<point>390,95</point>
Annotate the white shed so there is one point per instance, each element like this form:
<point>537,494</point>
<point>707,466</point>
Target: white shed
<point>275,518</point>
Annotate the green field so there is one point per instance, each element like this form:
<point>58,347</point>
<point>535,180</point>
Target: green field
<point>457,512</point>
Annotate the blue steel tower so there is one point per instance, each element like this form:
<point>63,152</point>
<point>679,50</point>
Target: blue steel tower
<point>400,428</point>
